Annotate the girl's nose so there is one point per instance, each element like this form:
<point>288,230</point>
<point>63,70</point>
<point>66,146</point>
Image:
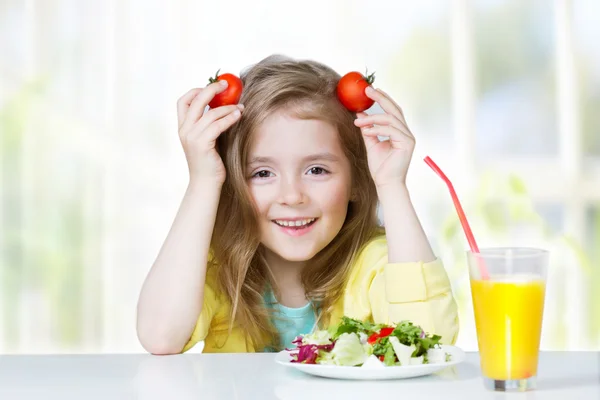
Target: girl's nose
<point>291,192</point>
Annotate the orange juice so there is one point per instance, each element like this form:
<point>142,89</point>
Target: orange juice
<point>508,318</point>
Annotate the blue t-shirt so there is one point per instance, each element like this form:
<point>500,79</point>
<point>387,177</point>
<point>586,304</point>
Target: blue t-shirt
<point>290,322</point>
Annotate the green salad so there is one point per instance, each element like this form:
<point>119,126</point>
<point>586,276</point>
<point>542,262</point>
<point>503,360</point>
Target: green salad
<point>364,344</point>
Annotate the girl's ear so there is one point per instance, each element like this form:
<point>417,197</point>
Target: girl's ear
<point>353,195</point>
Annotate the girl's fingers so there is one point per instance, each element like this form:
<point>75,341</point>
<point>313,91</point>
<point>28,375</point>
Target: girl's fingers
<point>217,113</point>
<point>370,141</point>
<point>393,102</point>
<point>379,119</point>
<point>221,125</point>
<point>398,138</point>
<point>383,120</point>
<point>386,103</point>
<point>200,102</point>
<point>361,116</point>
<point>184,103</point>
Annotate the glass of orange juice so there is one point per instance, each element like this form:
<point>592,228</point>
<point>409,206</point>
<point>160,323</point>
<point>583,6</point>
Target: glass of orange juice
<point>508,302</point>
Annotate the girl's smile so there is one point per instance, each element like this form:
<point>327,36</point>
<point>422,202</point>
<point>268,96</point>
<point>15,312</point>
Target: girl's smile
<point>296,226</point>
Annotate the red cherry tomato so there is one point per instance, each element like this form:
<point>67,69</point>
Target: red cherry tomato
<point>383,332</point>
<point>351,91</point>
<point>229,96</point>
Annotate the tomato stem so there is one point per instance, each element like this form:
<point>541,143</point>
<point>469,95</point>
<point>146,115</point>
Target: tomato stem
<point>215,79</point>
<point>369,78</point>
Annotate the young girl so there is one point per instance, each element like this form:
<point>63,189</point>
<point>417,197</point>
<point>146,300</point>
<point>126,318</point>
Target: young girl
<point>278,233</point>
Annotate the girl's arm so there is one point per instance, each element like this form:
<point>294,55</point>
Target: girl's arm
<point>410,283</point>
<point>388,163</point>
<point>172,295</point>
<point>405,236</point>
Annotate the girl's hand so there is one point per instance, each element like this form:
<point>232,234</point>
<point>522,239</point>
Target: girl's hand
<point>388,159</point>
<point>199,130</point>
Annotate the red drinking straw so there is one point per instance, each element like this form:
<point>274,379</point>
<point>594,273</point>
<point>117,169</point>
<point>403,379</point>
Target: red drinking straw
<point>461,214</point>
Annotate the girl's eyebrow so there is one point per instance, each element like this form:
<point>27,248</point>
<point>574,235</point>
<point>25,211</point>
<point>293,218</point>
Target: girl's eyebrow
<point>325,156</point>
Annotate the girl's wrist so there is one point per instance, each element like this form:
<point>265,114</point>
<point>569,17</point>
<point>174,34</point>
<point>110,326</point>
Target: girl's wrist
<point>392,193</point>
<point>204,187</point>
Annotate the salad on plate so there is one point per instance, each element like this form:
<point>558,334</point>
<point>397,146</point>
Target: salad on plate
<point>356,343</point>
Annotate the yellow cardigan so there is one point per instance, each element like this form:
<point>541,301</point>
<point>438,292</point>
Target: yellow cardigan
<point>376,290</point>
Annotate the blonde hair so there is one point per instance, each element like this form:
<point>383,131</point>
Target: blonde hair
<point>307,90</point>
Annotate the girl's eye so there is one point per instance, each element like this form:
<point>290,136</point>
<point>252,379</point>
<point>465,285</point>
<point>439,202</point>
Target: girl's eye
<point>317,171</point>
<point>262,174</point>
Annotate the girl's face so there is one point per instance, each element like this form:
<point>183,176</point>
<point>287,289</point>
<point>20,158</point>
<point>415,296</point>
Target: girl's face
<point>300,180</point>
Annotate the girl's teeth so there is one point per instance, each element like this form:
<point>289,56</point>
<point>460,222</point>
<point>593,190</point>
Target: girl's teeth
<point>295,223</point>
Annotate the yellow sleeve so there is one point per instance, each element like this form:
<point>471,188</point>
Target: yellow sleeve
<point>389,293</point>
<point>210,306</point>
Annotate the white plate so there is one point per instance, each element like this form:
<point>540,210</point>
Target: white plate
<point>396,372</point>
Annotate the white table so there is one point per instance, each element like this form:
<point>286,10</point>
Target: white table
<point>568,375</point>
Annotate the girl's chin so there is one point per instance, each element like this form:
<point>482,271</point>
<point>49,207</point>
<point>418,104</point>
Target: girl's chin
<point>295,256</point>
<point>292,252</point>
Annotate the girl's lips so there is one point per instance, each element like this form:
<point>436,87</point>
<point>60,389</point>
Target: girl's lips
<point>298,230</point>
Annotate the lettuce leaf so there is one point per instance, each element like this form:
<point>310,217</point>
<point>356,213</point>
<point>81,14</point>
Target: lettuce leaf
<point>351,325</point>
<point>349,351</point>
